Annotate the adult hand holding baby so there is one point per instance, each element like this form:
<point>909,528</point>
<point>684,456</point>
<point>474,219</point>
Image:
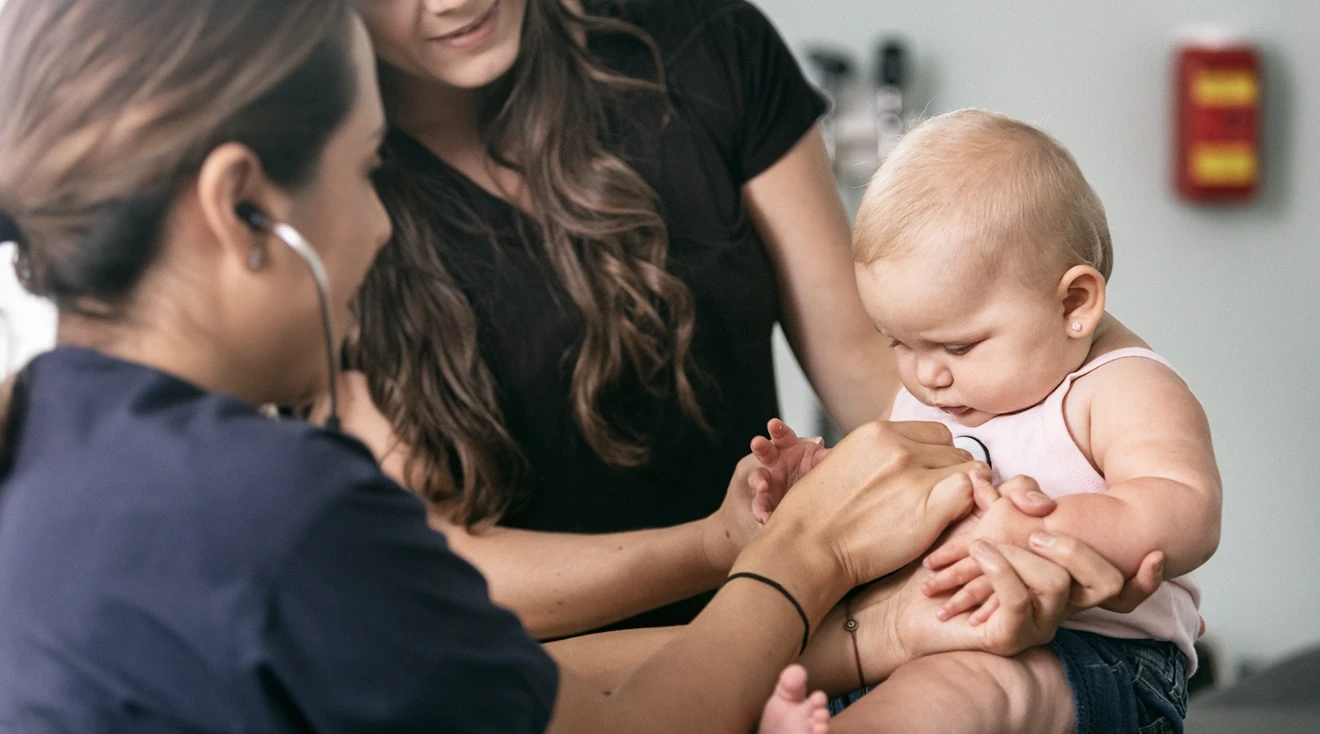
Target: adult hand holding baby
<point>759,483</point>
<point>1012,515</point>
<point>896,622</point>
<point>735,524</point>
<point>905,477</point>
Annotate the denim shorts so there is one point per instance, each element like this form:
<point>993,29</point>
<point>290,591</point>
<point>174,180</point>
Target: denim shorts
<point>1137,686</point>
<point>1124,685</point>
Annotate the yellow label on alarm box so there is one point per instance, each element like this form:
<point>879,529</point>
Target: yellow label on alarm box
<point>1223,164</point>
<point>1225,88</point>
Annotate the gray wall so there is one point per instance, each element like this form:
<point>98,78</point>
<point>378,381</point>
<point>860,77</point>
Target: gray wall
<point>1230,295</point>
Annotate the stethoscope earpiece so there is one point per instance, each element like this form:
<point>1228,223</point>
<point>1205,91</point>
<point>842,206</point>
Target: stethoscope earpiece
<point>259,222</point>
<point>252,216</point>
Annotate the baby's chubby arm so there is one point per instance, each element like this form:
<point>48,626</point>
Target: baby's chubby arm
<point>1149,437</point>
<point>1147,434</point>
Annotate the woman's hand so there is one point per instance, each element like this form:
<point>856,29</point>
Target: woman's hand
<point>1035,590</point>
<point>999,521</point>
<point>1021,498</point>
<point>730,528</point>
<point>759,483</point>
<point>896,623</point>
<point>1097,591</point>
<point>881,497</point>
<point>1030,600</point>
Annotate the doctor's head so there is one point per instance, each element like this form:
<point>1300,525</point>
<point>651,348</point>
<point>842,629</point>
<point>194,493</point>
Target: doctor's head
<point>131,132</point>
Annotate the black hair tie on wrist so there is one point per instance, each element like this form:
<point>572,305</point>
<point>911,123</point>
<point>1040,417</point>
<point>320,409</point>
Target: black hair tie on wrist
<point>806,624</point>
<point>9,231</point>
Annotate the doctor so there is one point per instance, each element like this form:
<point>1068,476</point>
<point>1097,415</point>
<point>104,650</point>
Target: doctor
<point>171,560</point>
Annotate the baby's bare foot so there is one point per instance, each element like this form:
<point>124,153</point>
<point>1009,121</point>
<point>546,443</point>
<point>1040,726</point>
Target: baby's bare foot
<point>791,711</point>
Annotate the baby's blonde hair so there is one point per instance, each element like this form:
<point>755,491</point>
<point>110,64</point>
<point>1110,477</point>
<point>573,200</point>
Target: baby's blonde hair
<point>980,178</point>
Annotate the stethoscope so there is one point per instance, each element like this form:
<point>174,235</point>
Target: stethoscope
<point>259,222</point>
<point>973,446</point>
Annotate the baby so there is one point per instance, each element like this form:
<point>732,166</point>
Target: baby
<point>982,253</point>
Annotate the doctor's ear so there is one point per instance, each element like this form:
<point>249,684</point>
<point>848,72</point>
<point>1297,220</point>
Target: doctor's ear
<point>237,201</point>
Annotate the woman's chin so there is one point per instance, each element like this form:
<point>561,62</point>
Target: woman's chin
<point>477,72</point>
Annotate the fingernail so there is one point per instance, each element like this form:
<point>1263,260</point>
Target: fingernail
<point>982,549</point>
<point>1038,497</point>
<point>1159,568</point>
<point>942,615</point>
<point>1042,539</point>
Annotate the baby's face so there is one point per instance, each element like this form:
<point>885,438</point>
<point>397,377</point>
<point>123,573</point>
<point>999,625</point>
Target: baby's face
<point>972,345</point>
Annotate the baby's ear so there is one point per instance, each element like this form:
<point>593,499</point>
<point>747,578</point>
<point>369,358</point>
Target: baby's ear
<point>1082,293</point>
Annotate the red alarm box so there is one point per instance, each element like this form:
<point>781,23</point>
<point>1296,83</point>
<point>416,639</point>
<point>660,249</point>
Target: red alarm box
<point>1218,119</point>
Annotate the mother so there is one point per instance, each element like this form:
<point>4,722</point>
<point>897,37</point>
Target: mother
<point>602,208</point>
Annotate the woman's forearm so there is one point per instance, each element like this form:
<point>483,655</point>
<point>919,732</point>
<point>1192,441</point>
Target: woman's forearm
<point>797,211</point>
<point>608,658</point>
<point>832,657</point>
<point>562,584</point>
<point>714,674</point>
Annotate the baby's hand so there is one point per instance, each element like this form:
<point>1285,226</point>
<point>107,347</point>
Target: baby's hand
<point>785,459</point>
<point>1000,522</point>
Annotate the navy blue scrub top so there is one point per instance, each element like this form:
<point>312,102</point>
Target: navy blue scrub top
<point>171,560</point>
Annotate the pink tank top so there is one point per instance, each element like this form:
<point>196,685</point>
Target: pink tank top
<point>1036,442</point>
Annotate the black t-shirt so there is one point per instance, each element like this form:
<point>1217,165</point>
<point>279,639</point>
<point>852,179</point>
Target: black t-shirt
<point>738,103</point>
<point>172,561</point>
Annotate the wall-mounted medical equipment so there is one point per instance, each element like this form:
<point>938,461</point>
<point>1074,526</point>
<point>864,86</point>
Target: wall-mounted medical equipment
<point>867,115</point>
<point>1217,119</point>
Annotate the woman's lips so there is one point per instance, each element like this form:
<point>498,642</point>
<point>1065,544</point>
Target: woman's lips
<point>474,34</point>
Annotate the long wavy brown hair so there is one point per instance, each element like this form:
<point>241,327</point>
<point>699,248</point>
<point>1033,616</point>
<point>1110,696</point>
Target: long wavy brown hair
<point>600,230</point>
